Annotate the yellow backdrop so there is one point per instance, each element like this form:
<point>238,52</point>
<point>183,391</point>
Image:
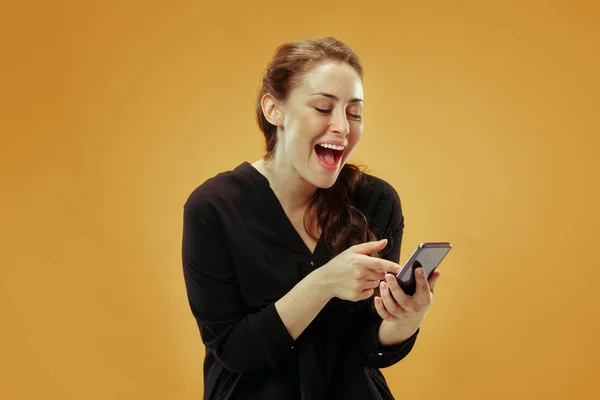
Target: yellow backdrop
<point>483,115</point>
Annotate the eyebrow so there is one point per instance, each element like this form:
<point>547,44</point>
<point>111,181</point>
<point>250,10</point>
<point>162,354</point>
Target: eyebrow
<point>334,97</point>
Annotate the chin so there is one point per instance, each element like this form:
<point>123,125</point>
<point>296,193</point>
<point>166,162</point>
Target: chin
<point>323,181</point>
<point>325,185</point>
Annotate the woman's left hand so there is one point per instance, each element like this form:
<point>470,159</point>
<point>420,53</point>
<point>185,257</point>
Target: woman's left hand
<point>404,312</point>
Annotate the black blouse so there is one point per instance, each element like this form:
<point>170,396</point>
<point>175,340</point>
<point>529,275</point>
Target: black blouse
<point>240,255</point>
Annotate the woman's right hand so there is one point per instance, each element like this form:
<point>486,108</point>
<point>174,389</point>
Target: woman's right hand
<point>353,274</point>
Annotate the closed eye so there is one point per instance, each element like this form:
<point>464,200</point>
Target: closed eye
<point>353,116</point>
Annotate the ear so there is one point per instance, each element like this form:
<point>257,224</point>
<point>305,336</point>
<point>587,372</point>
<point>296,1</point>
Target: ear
<point>271,109</point>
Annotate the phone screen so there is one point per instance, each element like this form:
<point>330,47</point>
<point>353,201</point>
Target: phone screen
<point>427,255</point>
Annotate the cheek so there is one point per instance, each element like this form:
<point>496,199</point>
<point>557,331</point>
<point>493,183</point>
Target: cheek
<point>308,128</point>
<point>355,135</point>
<point>314,125</point>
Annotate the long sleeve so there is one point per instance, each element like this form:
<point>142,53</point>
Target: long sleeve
<point>367,324</point>
<point>242,342</point>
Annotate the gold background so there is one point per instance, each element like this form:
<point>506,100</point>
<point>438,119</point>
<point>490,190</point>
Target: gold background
<point>483,115</point>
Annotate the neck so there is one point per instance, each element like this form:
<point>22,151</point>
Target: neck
<point>293,192</point>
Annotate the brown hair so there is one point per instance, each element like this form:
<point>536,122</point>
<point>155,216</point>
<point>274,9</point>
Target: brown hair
<point>342,224</point>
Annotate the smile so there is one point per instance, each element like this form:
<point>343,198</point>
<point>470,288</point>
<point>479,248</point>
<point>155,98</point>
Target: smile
<point>332,146</point>
<point>329,155</point>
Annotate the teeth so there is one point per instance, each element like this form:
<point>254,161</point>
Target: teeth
<point>331,146</point>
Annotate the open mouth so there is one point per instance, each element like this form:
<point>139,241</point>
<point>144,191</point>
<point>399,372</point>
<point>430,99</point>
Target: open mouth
<point>329,155</point>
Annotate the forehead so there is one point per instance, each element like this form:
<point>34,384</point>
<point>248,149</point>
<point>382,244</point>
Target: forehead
<point>339,79</point>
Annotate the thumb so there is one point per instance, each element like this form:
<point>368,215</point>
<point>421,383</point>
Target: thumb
<point>369,247</point>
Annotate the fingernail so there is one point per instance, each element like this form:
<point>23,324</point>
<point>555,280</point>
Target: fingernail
<point>383,286</point>
<point>420,271</point>
<point>389,277</point>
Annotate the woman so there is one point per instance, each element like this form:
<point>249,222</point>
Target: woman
<point>289,262</point>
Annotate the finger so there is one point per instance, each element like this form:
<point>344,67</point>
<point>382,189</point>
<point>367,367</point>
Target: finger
<point>381,310</point>
<point>402,299</point>
<point>368,247</point>
<point>389,266</point>
<point>423,291</point>
<point>370,274</point>
<point>366,293</point>
<point>372,284</point>
<point>390,304</point>
<point>366,273</point>
<point>433,279</point>
<point>363,274</point>
<point>379,264</point>
<point>369,285</point>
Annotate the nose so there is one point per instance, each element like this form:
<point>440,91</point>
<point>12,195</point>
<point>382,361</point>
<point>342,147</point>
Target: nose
<point>340,123</point>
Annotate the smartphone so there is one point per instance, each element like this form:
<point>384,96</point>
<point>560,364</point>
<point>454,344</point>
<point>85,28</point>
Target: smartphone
<point>427,255</point>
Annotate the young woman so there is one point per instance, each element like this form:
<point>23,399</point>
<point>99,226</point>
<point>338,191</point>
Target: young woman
<point>289,261</point>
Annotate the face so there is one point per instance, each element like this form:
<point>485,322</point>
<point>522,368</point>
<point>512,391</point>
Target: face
<point>321,123</point>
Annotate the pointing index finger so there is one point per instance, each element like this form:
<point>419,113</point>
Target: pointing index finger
<point>388,266</point>
<point>378,264</point>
